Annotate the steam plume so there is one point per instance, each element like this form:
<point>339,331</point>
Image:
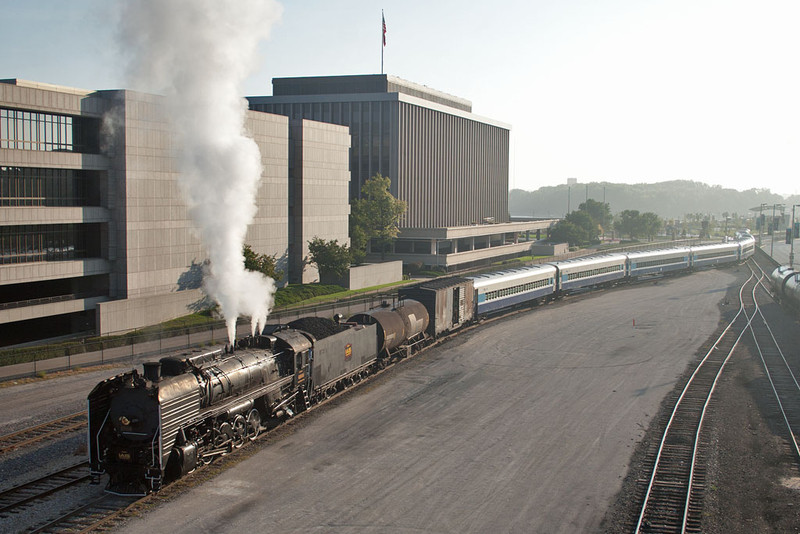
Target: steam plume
<point>197,53</point>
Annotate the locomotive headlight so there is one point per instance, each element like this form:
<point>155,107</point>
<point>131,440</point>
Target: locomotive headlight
<point>125,421</point>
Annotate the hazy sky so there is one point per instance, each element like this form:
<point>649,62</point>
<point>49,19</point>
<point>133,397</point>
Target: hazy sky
<point>612,90</point>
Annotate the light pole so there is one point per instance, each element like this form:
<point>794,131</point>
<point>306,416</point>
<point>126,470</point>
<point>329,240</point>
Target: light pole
<point>772,235</point>
<point>791,246</point>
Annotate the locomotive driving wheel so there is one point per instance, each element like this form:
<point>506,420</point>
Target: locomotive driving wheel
<point>239,431</point>
<point>253,424</point>
<point>223,438</point>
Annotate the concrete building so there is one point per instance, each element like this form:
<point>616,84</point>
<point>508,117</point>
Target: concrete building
<point>449,165</point>
<point>94,234</point>
<point>319,172</point>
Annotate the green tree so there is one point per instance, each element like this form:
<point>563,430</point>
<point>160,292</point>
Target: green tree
<point>578,229</point>
<point>261,263</point>
<point>651,224</point>
<point>637,224</point>
<point>629,222</point>
<point>374,216</point>
<point>600,212</point>
<point>567,232</point>
<point>331,258</point>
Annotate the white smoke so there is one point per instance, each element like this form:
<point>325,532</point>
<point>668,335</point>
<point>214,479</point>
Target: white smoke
<point>197,53</point>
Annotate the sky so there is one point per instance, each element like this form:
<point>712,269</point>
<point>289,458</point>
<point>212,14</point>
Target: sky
<point>624,91</point>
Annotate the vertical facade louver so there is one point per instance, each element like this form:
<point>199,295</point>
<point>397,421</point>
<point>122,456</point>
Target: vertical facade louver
<point>450,166</point>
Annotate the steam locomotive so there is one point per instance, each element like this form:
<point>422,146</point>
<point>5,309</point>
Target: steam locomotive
<point>148,428</point>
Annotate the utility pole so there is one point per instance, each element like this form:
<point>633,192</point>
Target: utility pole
<point>569,197</point>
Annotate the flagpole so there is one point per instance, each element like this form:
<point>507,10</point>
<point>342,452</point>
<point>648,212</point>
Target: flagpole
<point>383,38</point>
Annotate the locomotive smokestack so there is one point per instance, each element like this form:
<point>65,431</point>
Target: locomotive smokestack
<point>152,371</point>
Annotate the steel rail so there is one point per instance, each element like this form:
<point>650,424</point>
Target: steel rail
<point>88,516</point>
<point>705,409</point>
<point>678,404</point>
<point>42,487</point>
<point>46,430</point>
<point>771,374</point>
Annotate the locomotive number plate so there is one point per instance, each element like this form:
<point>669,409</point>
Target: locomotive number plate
<point>348,351</point>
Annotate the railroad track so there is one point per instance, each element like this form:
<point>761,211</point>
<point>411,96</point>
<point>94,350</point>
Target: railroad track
<point>674,495</point>
<point>782,378</point>
<point>90,516</point>
<point>42,432</point>
<point>12,500</point>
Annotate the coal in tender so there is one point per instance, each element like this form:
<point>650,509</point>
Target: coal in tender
<point>319,327</point>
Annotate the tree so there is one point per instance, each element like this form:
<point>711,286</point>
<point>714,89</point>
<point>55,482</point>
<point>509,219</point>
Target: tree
<point>376,215</point>
<point>600,212</point>
<point>651,224</point>
<point>629,222</point>
<point>261,263</point>
<point>331,258</point>
<point>567,232</point>
<point>637,224</point>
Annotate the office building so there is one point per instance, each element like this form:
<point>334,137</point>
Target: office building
<point>449,165</point>
<point>94,234</point>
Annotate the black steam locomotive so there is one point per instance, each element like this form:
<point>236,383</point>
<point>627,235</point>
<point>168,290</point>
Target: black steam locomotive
<point>147,429</point>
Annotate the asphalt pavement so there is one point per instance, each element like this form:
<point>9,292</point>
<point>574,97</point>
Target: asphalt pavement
<point>522,425</point>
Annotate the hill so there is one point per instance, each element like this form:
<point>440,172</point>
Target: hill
<point>669,200</point>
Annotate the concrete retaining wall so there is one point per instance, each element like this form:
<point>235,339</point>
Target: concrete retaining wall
<point>375,274</point>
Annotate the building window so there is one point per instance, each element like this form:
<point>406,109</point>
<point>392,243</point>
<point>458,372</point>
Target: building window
<point>48,242</point>
<point>30,130</point>
<point>26,186</point>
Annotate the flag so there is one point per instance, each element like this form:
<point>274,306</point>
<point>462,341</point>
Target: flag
<point>383,20</point>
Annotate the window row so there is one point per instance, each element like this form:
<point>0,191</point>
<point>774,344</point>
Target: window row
<point>594,272</point>
<point>48,242</point>
<point>25,186</point>
<point>717,254</point>
<point>30,130</point>
<point>663,261</point>
<point>522,288</point>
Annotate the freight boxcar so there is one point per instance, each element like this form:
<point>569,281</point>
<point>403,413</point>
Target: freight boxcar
<point>449,302</point>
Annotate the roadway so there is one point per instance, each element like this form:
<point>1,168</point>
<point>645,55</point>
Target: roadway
<point>522,425</point>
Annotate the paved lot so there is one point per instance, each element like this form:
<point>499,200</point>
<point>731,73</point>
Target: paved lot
<point>779,249</point>
<point>524,425</point>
